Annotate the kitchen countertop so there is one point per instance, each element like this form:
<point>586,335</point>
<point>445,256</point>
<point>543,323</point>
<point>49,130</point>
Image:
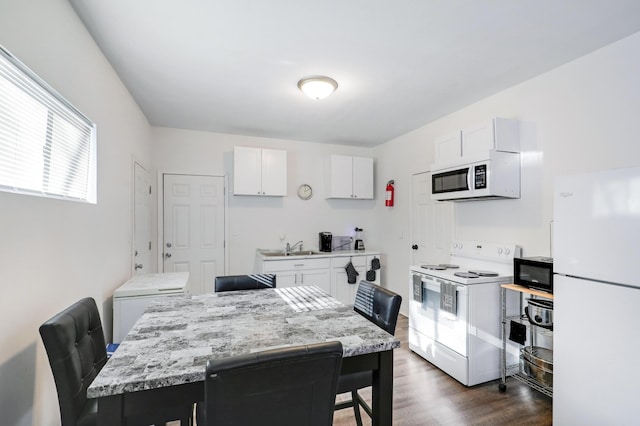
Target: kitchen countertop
<point>317,254</point>
<point>147,284</point>
<point>171,343</point>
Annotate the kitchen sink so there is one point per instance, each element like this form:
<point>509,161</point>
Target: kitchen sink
<point>276,253</point>
<point>302,253</point>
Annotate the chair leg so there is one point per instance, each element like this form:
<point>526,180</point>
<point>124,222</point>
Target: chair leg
<point>356,407</point>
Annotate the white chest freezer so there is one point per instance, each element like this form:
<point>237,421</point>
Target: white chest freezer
<point>132,298</point>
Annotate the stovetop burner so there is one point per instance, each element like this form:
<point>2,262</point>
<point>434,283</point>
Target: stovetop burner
<point>449,266</point>
<point>483,273</point>
<point>466,275</point>
<point>440,266</point>
<point>434,267</point>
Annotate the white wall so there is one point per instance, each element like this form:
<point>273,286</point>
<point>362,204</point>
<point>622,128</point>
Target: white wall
<point>54,252</point>
<point>582,116</point>
<point>258,222</point>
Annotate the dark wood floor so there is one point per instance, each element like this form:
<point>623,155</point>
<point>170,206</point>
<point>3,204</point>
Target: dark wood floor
<point>424,395</point>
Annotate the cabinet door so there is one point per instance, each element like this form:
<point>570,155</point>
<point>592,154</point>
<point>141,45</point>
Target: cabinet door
<point>342,290</point>
<point>274,172</point>
<point>247,171</point>
<point>286,279</point>
<point>317,277</point>
<point>340,180</point>
<point>448,147</point>
<point>363,178</point>
<point>478,138</point>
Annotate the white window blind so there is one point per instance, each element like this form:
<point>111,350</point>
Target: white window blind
<point>47,146</point>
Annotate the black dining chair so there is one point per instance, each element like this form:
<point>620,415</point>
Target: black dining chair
<point>289,386</point>
<point>245,282</point>
<point>381,307</point>
<point>75,344</point>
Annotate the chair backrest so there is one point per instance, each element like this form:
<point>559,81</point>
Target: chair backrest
<point>378,305</point>
<point>76,348</point>
<point>287,387</point>
<point>245,282</point>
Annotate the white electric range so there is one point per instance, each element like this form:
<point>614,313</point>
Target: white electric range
<point>454,310</point>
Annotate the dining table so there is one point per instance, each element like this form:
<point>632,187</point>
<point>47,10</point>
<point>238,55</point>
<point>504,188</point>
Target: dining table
<point>161,362</point>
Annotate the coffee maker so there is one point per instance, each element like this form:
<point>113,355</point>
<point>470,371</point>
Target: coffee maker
<point>359,244</point>
<point>324,243</point>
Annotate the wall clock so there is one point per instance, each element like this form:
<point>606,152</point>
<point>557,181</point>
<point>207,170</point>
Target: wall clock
<point>305,192</point>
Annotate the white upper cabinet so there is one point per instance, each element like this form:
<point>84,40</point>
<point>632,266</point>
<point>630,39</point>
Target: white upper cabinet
<point>500,134</point>
<point>349,177</point>
<point>448,147</point>
<point>259,171</point>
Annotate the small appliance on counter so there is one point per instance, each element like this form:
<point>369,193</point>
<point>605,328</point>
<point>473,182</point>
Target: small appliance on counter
<point>534,272</point>
<point>341,242</point>
<point>324,243</point>
<point>359,244</point>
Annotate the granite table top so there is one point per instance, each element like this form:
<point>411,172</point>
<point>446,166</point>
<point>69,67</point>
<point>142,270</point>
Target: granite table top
<point>172,341</point>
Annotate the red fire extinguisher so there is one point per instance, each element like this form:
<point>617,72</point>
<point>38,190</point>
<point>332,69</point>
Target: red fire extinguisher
<point>390,190</point>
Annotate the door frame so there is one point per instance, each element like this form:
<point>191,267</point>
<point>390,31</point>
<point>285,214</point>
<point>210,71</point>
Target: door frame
<point>160,209</point>
<point>413,219</point>
<point>135,160</point>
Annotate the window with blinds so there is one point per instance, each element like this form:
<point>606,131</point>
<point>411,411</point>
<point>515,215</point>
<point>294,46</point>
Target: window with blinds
<point>47,146</point>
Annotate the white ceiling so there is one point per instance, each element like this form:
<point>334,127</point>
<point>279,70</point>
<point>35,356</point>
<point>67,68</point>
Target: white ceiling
<point>232,66</point>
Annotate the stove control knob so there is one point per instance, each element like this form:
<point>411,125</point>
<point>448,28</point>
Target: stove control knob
<point>499,251</point>
<point>507,251</point>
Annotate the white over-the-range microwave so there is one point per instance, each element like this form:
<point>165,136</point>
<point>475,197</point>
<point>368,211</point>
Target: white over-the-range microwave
<point>495,174</point>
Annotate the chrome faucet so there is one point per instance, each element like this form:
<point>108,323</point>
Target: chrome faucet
<point>293,247</point>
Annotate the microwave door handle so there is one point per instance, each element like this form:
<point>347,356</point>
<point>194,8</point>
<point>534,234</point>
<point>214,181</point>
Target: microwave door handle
<point>469,178</point>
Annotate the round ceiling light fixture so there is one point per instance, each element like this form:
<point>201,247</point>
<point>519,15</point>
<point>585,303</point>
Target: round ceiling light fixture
<point>317,87</point>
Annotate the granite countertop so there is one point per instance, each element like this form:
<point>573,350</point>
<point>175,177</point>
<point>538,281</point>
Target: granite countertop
<point>172,341</point>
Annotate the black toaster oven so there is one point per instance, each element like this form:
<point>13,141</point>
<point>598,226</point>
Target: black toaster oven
<point>534,272</point>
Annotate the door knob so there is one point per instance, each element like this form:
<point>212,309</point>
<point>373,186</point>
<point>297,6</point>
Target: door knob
<point>169,245</point>
<point>138,266</point>
<point>415,247</point>
<point>167,255</point>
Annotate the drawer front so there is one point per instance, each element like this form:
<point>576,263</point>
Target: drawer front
<point>357,261</point>
<point>295,264</point>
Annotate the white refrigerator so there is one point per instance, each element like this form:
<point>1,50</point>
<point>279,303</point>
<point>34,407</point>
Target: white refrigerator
<point>596,251</point>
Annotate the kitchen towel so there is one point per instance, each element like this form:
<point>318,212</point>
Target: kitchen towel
<point>352,274</point>
<point>417,288</point>
<point>448,298</point>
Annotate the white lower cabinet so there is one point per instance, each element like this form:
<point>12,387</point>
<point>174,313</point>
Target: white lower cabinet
<point>343,290</point>
<point>328,273</point>
<point>297,272</point>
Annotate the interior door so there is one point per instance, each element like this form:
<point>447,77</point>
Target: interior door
<point>194,226</point>
<point>141,220</point>
<point>431,223</point>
